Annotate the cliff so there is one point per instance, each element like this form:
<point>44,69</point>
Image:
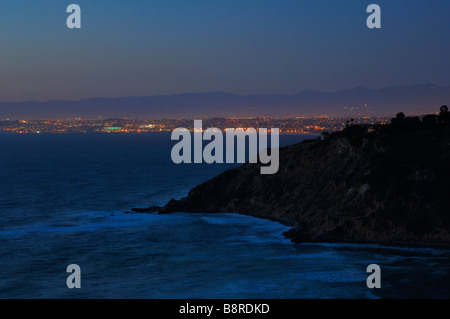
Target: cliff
<point>387,184</point>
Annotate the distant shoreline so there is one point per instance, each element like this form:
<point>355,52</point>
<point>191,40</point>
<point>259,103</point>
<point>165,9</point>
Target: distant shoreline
<point>123,133</point>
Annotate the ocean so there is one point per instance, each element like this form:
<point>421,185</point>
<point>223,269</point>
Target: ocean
<point>62,202</point>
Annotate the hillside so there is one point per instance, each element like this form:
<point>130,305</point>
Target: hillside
<point>382,184</point>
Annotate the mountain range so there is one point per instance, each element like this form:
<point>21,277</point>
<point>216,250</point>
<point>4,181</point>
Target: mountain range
<point>359,101</point>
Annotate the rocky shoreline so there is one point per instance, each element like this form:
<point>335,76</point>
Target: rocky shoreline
<point>384,184</point>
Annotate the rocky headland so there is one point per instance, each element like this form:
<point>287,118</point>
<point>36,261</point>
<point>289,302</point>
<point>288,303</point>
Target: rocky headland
<point>366,184</point>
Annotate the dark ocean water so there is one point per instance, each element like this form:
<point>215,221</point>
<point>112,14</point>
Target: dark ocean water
<point>61,203</point>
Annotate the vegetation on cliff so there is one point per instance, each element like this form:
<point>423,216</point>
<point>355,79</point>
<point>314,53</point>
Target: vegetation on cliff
<point>378,184</point>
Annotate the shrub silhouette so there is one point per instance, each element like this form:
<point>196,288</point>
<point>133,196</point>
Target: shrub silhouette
<point>444,116</point>
<point>400,123</point>
<point>399,118</point>
<point>430,120</point>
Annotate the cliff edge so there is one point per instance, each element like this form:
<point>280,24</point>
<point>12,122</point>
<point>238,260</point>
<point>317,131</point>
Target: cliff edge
<point>374,184</point>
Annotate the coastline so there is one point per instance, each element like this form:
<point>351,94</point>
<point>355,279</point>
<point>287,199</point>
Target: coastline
<point>291,223</point>
<point>383,186</point>
<point>159,210</point>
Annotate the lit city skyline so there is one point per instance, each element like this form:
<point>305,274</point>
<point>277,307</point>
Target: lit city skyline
<point>298,125</point>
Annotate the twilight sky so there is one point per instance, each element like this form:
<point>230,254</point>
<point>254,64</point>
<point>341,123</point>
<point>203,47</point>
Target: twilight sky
<point>133,47</point>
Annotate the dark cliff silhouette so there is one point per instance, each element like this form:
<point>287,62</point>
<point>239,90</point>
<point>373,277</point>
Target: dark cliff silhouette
<point>379,184</point>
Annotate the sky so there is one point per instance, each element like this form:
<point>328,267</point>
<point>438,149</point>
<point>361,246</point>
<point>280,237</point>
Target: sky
<point>150,47</point>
